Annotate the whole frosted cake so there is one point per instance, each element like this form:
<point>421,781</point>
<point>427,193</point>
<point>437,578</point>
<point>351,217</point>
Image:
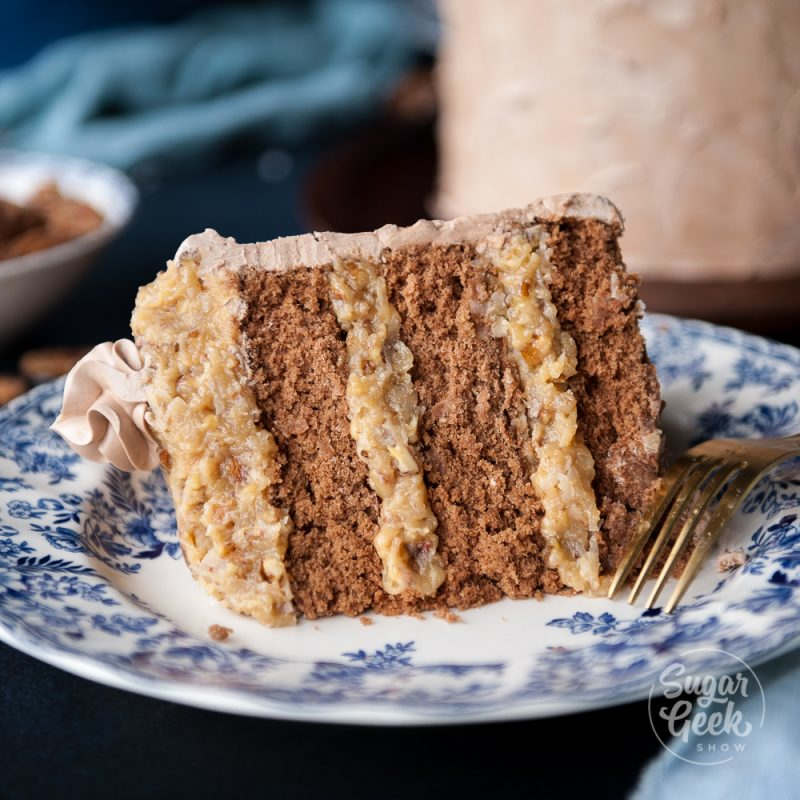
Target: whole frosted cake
<point>686,112</point>
<point>414,418</point>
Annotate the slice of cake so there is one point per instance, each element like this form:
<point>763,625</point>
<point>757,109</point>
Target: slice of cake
<point>415,418</point>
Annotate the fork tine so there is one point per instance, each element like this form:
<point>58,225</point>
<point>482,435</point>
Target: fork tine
<point>694,477</point>
<point>728,504</point>
<point>671,484</point>
<point>708,493</point>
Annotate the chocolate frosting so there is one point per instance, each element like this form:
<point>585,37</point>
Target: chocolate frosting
<point>104,414</point>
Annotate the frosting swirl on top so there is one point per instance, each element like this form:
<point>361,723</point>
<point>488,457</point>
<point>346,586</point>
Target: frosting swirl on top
<point>104,414</point>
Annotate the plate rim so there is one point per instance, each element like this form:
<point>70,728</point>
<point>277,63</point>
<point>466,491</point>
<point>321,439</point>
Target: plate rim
<point>232,701</point>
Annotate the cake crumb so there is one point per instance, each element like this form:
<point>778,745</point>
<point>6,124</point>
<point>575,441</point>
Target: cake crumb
<point>731,559</point>
<point>365,621</point>
<point>219,633</point>
<point>447,615</point>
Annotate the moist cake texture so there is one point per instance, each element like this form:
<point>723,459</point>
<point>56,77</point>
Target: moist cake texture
<point>428,417</point>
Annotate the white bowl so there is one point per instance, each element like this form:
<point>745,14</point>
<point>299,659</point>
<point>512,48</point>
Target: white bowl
<point>33,283</point>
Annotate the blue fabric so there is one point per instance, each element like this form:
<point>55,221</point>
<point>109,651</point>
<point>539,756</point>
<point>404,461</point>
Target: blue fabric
<point>769,767</point>
<point>274,72</point>
<point>29,25</point>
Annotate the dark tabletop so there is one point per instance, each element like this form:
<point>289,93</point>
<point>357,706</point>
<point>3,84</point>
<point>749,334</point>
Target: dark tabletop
<point>62,736</point>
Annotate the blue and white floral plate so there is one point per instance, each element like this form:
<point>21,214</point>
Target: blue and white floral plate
<point>92,581</point>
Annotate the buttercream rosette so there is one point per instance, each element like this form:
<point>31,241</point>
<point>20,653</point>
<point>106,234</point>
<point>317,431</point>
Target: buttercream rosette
<point>104,416</point>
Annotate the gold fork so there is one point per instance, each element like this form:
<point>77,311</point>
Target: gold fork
<point>729,468</point>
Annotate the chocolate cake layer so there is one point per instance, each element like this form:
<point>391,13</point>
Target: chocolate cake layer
<point>616,386</point>
<point>297,356</point>
<point>474,436</point>
<point>474,442</point>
